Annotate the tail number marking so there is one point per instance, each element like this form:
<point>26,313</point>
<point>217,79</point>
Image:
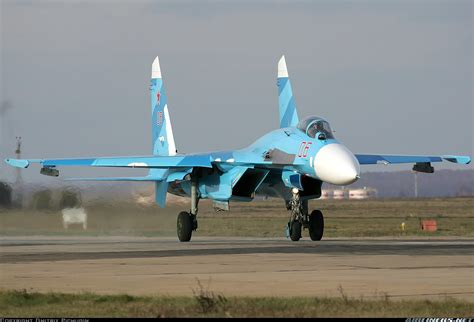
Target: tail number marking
<point>159,118</point>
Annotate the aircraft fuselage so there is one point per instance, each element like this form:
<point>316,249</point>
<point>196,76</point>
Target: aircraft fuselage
<point>282,159</point>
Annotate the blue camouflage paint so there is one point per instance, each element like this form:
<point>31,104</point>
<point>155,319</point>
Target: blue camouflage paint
<point>147,162</point>
<point>374,159</point>
<point>157,89</point>
<point>219,186</point>
<point>457,159</point>
<point>286,103</point>
<point>18,163</point>
<point>68,162</point>
<point>161,188</point>
<point>231,163</point>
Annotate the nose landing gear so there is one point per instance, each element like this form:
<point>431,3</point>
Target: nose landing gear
<point>300,218</point>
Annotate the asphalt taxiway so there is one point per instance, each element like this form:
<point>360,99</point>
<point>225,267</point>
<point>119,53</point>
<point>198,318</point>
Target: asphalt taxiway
<point>399,268</point>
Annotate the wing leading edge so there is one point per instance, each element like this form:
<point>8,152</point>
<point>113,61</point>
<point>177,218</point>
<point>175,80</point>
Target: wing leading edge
<point>149,162</point>
<point>394,159</point>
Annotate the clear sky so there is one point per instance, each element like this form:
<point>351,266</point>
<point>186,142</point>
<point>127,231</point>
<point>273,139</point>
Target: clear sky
<point>391,76</point>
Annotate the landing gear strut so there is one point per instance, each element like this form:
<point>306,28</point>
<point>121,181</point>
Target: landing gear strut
<point>298,210</point>
<point>187,221</point>
<point>300,218</point>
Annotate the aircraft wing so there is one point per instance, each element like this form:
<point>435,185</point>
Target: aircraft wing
<point>393,159</point>
<point>147,162</point>
<point>159,163</point>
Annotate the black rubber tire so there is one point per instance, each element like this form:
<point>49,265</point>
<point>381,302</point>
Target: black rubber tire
<point>316,225</point>
<point>184,226</point>
<point>295,232</point>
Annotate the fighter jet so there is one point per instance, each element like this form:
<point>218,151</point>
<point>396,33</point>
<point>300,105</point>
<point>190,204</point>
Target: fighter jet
<point>290,163</point>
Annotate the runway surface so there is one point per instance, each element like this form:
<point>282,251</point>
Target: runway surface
<point>400,268</point>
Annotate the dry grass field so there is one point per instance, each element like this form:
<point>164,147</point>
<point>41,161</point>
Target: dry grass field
<point>206,303</point>
<point>343,218</point>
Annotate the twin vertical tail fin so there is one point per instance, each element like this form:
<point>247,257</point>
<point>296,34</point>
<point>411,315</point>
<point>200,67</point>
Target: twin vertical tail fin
<point>286,101</point>
<point>162,133</point>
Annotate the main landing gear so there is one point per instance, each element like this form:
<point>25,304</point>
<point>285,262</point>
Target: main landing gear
<point>187,221</point>
<point>300,219</point>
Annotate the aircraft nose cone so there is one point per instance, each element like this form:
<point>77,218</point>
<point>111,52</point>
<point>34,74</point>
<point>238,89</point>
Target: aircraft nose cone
<point>335,164</point>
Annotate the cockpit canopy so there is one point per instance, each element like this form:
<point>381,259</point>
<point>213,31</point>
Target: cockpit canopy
<point>313,125</point>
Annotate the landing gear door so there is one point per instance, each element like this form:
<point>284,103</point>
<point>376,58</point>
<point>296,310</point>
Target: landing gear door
<point>292,179</point>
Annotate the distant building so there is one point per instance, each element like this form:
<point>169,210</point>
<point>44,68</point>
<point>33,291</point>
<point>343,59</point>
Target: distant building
<point>326,194</point>
<point>339,194</point>
<point>361,193</point>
